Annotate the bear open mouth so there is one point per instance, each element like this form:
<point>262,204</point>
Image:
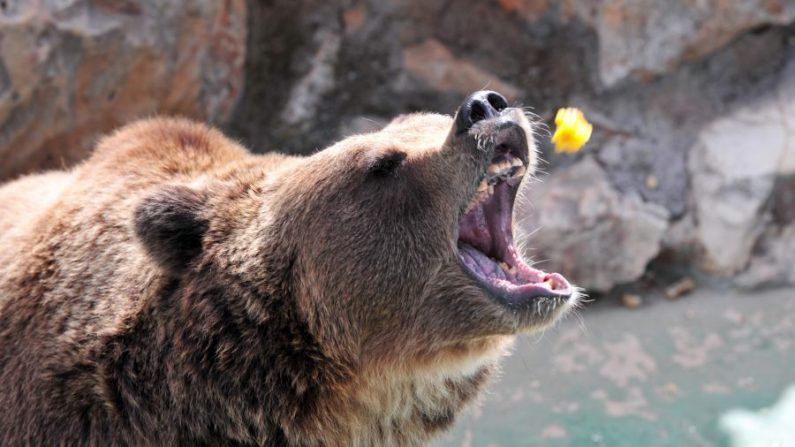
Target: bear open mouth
<point>485,243</point>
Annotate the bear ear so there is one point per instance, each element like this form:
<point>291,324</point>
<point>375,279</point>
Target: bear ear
<point>171,224</point>
<point>386,164</point>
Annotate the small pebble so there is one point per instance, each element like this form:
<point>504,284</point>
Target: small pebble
<point>631,301</point>
<point>652,182</point>
<point>679,288</point>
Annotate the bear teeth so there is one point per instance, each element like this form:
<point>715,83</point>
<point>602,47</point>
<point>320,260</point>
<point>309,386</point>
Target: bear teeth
<point>485,190</point>
<point>505,169</point>
<point>495,173</point>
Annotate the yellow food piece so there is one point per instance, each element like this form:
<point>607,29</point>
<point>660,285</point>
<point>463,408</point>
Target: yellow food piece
<point>572,130</point>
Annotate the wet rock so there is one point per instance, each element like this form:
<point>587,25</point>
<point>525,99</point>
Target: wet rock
<point>582,227</point>
<point>73,70</point>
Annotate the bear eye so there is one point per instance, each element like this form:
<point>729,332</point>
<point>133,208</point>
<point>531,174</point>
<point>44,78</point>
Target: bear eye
<point>386,165</point>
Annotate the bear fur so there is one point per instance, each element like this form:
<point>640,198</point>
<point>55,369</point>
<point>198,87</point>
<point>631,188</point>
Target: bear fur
<point>175,289</point>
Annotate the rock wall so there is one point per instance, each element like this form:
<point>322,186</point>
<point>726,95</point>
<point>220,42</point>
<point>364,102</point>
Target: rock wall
<point>692,103</point>
<point>71,70</point>
<point>689,163</point>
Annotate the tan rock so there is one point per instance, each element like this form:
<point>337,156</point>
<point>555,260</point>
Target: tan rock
<point>72,70</point>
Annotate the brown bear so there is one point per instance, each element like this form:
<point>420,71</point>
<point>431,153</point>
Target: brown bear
<point>175,289</point>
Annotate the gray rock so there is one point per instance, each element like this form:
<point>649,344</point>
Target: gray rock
<point>306,94</point>
<point>774,264</point>
<point>586,230</point>
<point>733,168</point>
<point>647,38</point>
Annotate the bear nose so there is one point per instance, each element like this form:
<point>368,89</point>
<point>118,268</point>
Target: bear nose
<point>479,106</point>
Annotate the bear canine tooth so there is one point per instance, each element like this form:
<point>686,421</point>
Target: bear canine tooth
<point>483,185</point>
<point>520,171</point>
<point>516,162</point>
<point>493,169</point>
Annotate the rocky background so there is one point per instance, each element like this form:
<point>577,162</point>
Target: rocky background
<point>71,70</point>
<point>690,173</point>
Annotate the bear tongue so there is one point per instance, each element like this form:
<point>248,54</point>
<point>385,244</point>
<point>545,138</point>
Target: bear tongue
<point>487,226</point>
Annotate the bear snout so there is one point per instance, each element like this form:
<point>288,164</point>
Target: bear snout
<point>479,106</point>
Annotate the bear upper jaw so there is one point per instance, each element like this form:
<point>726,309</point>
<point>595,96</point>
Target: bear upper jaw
<point>486,247</point>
